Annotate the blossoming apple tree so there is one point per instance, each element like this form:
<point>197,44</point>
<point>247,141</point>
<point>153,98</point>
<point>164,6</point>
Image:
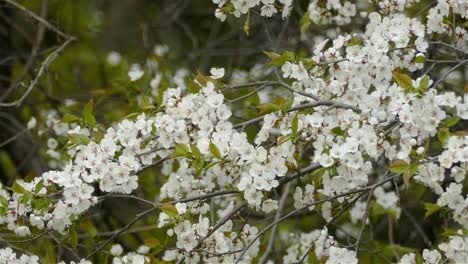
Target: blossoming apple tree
<point>335,155</point>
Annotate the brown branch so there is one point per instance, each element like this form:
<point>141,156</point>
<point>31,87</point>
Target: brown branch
<point>45,64</point>
<point>291,213</point>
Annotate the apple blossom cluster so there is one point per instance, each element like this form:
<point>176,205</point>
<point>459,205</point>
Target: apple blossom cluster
<point>137,257</point>
<point>388,6</point>
<point>322,246</point>
<point>437,24</point>
<point>241,7</point>
<point>222,246</point>
<point>332,11</point>
<point>8,256</point>
<point>455,250</point>
<point>352,109</point>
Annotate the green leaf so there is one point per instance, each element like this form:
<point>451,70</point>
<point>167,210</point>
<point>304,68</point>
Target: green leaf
<point>89,228</point>
<point>73,238</point>
<point>88,113</point>
<point>280,59</point>
<point>26,198</point>
<point>443,135</point>
<point>434,208</point>
<point>286,106</point>
<point>201,79</point>
<point>399,166</point>
<point>3,205</point>
<point>145,103</point>
<point>404,81</point>
<point>195,151</point>
<point>192,87</point>
<point>169,209</point>
<point>152,242</point>
<point>247,24</point>
<point>295,124</point>
<point>268,108</point>
<point>423,84</point>
<point>39,186</point>
<point>338,131</point>
<point>198,165</point>
<point>377,210</point>
<point>181,150</point>
<point>419,259</point>
<point>78,139</point>
<point>305,22</point>
<point>285,139</point>
<point>41,203</point>
<point>3,201</point>
<point>420,59</point>
<point>215,151</point>
<point>18,188</point>
<point>208,166</point>
<point>272,55</point>
<point>70,118</point>
<point>451,121</point>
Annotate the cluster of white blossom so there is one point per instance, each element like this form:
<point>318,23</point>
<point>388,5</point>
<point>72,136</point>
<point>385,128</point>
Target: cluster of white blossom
<point>360,108</point>
<point>322,246</point>
<point>455,251</point>
<point>331,11</point>
<point>241,7</point>
<point>436,22</point>
<point>137,257</point>
<point>8,256</point>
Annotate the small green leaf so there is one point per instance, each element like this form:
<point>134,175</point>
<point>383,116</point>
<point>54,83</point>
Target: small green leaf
<point>26,198</point>
<point>214,163</point>
<point>272,55</point>
<point>201,79</point>
<point>247,24</point>
<point>41,203</point>
<point>198,165</point>
<point>399,166</point>
<point>338,131</point>
<point>420,59</point>
<point>181,150</point>
<point>88,113</point>
<point>286,106</point>
<point>443,135</point>
<point>268,108</point>
<point>70,118</point>
<point>78,139</point>
<point>404,81</point>
<point>285,139</point>
<point>39,186</point>
<point>18,188</point>
<point>192,87</point>
<point>169,209</point>
<point>215,151</point>
<point>89,228</point>
<point>451,121</point>
<point>73,238</point>
<point>434,208</point>
<point>145,103</point>
<point>423,84</point>
<point>195,151</point>
<point>152,242</point>
<point>280,59</point>
<point>295,124</point>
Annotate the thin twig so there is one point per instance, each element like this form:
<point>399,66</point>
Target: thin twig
<point>38,18</point>
<point>220,223</point>
<point>271,241</point>
<point>450,71</point>
<point>45,64</point>
<point>291,213</point>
